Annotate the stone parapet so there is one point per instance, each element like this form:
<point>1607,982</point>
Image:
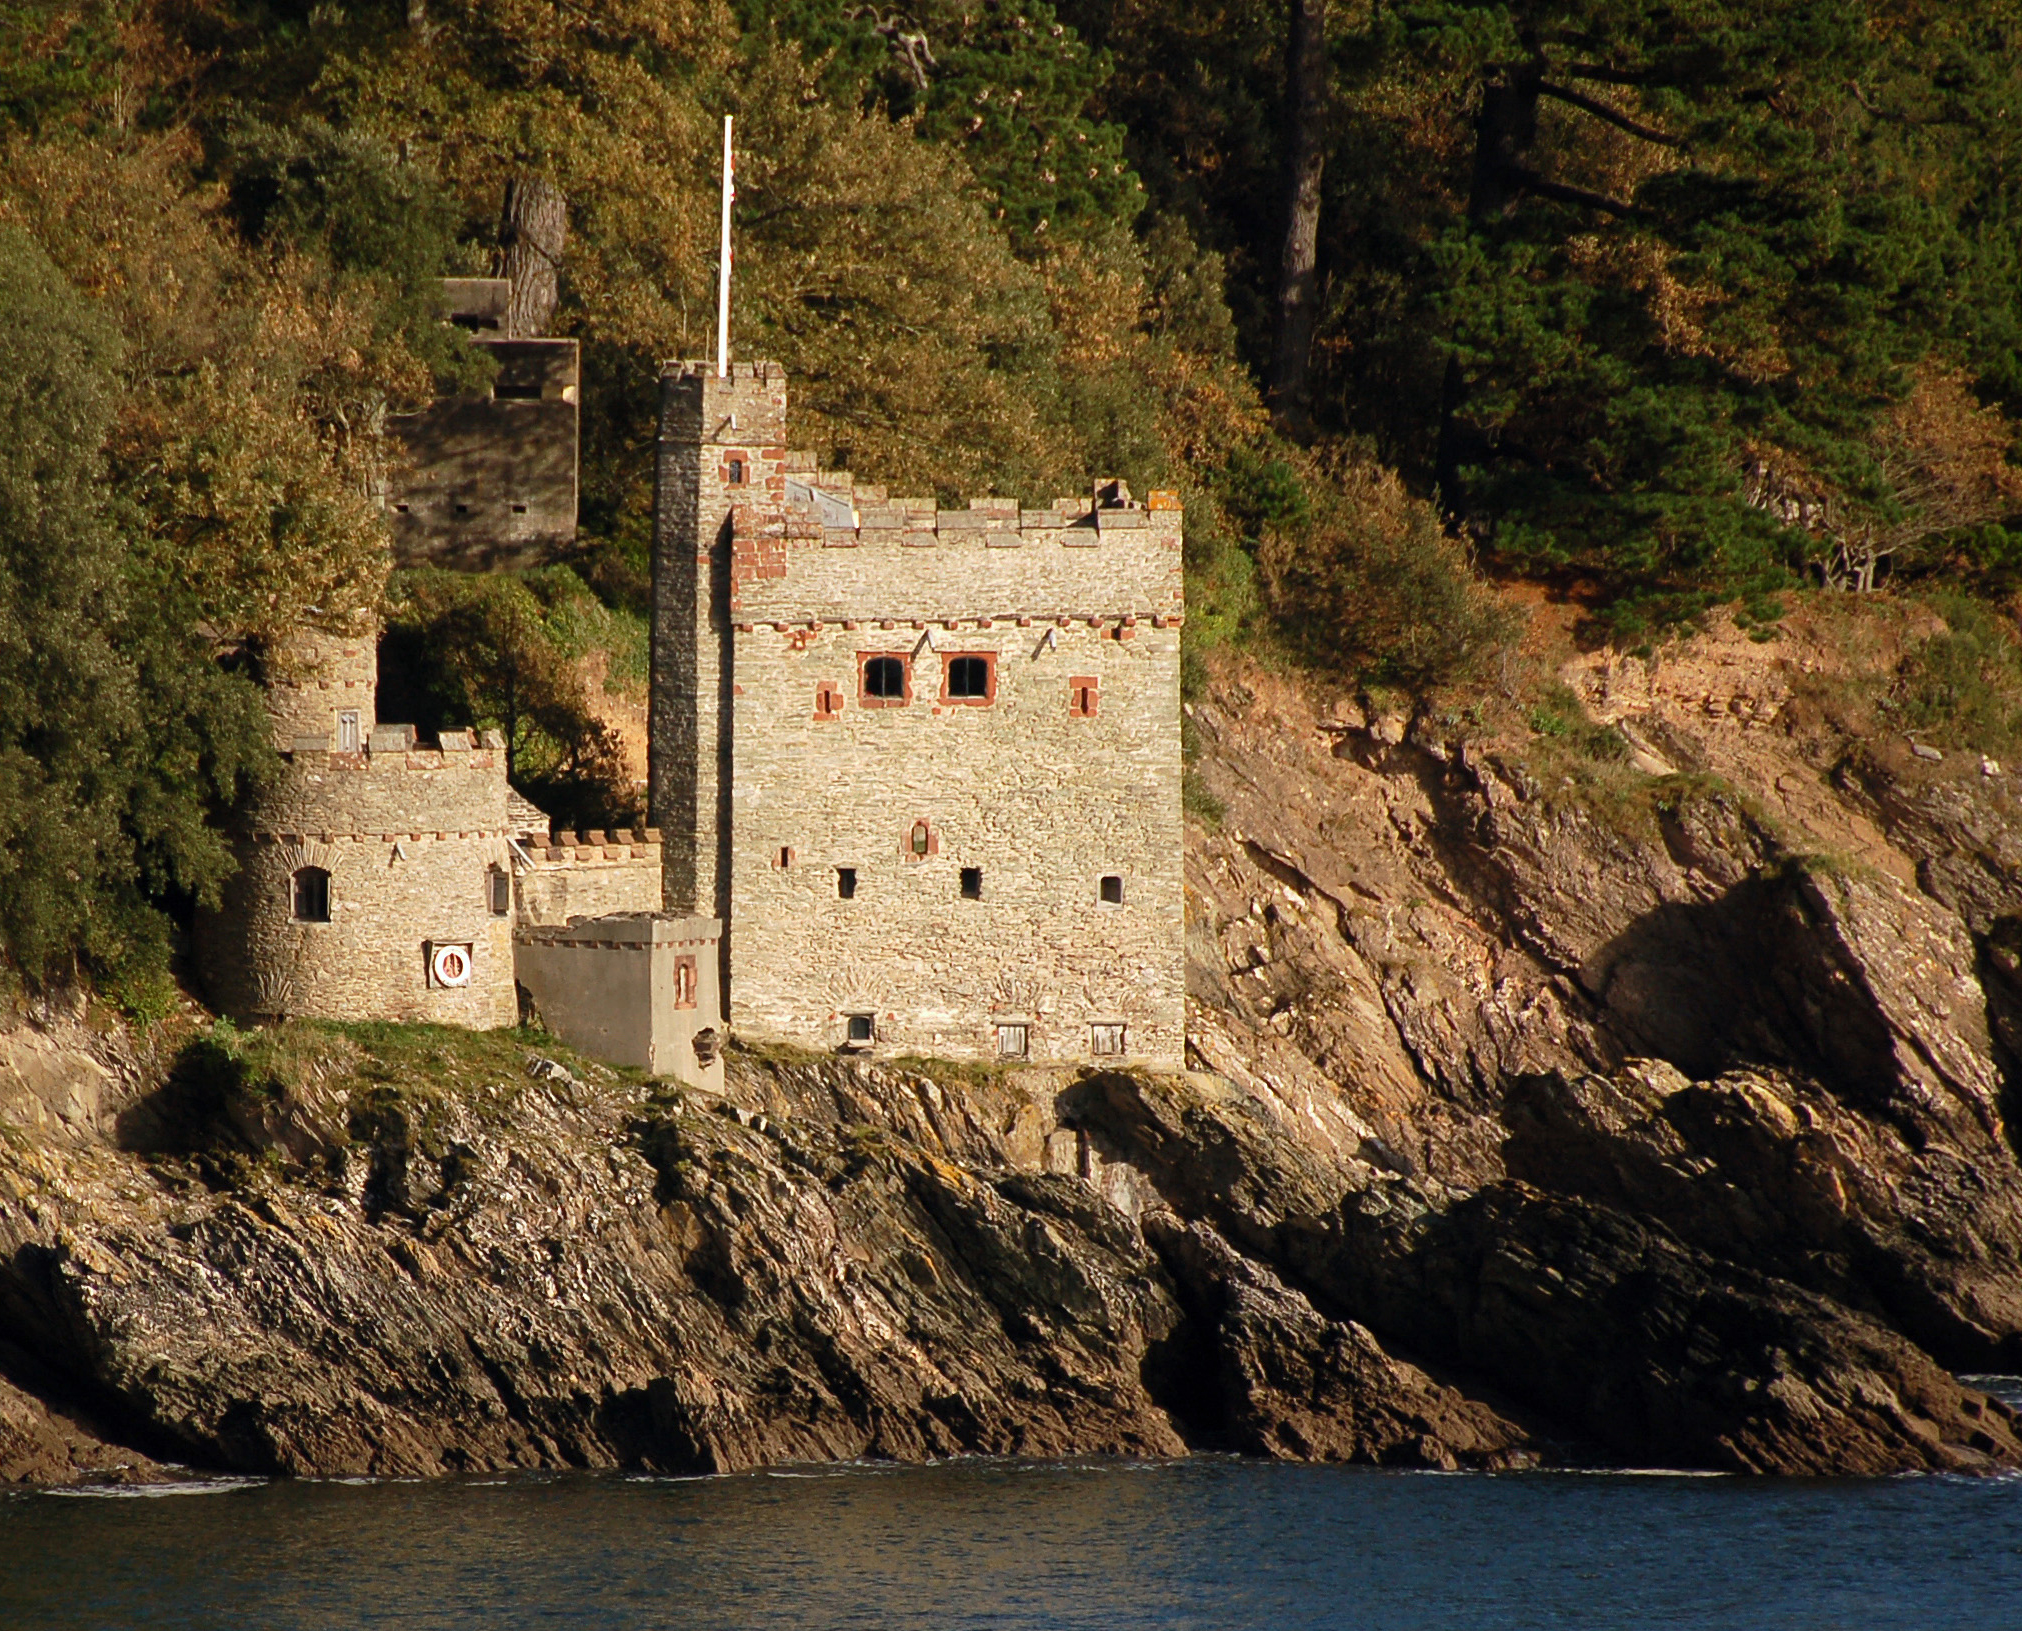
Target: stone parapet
<point>317,679</point>
<point>444,792</point>
<point>563,875</point>
<point>790,563</point>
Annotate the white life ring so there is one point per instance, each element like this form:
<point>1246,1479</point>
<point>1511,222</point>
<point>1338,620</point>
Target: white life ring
<point>451,965</point>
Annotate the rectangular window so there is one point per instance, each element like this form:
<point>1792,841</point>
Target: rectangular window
<point>1081,696</point>
<point>1106,1040</point>
<point>1014,1041</point>
<point>971,678</point>
<point>861,1029</point>
<point>501,892</point>
<point>972,883</point>
<point>309,895</point>
<point>347,731</point>
<point>1111,889</point>
<point>846,882</point>
<point>784,860</point>
<point>684,982</point>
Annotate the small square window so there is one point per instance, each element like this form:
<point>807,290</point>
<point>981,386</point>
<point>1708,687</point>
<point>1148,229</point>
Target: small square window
<point>1014,1041</point>
<point>971,678</point>
<point>519,509</point>
<point>972,883</point>
<point>861,1028</point>
<point>846,882</point>
<point>1106,1040</point>
<point>1111,889</point>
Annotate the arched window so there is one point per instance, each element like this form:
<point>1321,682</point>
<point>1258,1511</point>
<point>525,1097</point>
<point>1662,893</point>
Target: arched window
<point>309,895</point>
<point>734,472</point>
<point>970,679</point>
<point>885,678</point>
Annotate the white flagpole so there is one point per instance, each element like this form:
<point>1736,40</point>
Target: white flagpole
<point>723,264</point>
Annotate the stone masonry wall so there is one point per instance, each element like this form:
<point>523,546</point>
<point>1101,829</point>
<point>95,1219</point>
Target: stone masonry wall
<point>990,560</point>
<point>1043,801</point>
<point>319,677</point>
<point>411,842</point>
<point>773,770</point>
<point>721,442</point>
<point>589,874</point>
<point>491,481</point>
<point>1066,773</point>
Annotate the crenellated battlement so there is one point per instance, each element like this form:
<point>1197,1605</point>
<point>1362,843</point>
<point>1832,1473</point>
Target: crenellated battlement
<point>836,550</point>
<point>397,747</point>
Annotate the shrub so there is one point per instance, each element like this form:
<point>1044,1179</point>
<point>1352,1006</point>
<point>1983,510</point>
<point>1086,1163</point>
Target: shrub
<point>1369,581</point>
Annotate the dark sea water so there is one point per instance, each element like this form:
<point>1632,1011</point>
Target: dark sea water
<point>1207,1543</point>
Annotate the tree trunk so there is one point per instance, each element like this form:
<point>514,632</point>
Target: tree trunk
<point>1504,130</point>
<point>532,231</point>
<point>1299,271</point>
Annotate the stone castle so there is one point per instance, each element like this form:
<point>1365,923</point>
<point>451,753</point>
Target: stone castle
<point>923,763</point>
<point>915,786</point>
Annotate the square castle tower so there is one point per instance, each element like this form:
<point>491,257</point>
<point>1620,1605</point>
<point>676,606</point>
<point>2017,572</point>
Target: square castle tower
<point>924,764</point>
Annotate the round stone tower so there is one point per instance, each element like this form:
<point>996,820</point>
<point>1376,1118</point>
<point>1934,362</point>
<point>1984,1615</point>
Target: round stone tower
<point>375,874</point>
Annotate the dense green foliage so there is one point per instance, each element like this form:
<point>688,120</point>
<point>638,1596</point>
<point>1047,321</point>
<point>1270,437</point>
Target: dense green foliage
<point>506,653</point>
<point>1679,302</point>
<point>117,730</point>
<point>1691,298</point>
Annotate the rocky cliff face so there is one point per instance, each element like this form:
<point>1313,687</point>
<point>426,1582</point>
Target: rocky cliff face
<point>1653,1112</point>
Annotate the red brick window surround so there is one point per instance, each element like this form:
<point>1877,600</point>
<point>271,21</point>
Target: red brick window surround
<point>684,982</point>
<point>736,470</point>
<point>828,700</point>
<point>1082,696</point>
<point>921,840</point>
<point>884,679</point>
<point>969,678</point>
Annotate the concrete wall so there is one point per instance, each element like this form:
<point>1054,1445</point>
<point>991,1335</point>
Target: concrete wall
<point>634,988</point>
<point>411,841</point>
<point>492,481</point>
